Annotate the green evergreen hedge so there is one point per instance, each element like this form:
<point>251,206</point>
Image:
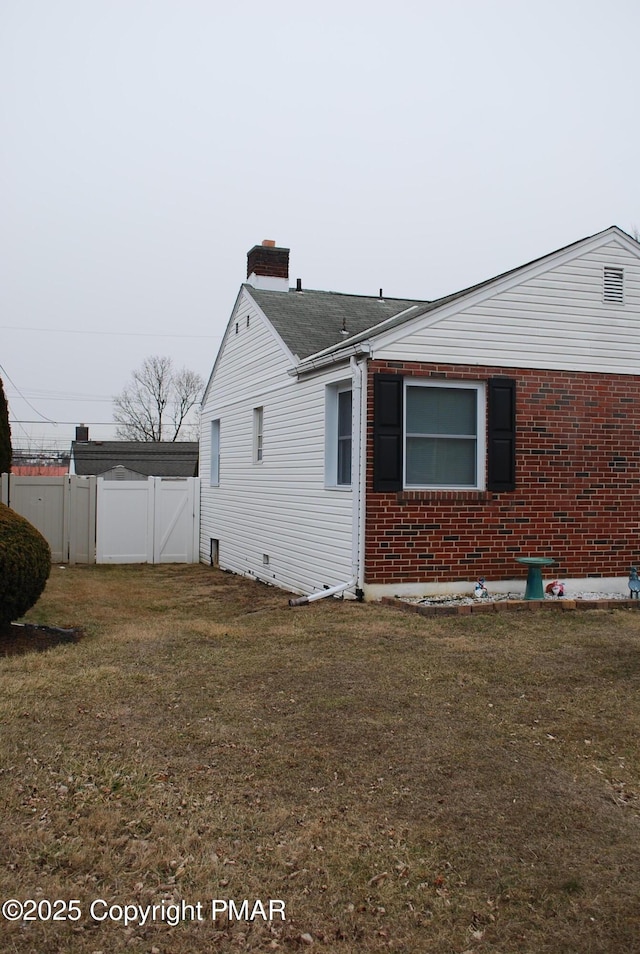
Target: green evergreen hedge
<point>25,564</point>
<point>5,434</point>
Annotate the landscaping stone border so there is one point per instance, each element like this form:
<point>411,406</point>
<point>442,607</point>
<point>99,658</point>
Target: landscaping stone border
<point>507,606</point>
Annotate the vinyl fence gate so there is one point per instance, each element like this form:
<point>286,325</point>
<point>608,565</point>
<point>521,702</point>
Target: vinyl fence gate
<point>148,521</point>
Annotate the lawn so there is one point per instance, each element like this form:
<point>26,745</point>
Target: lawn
<point>438,785</point>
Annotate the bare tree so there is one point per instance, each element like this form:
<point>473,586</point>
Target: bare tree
<point>155,405</point>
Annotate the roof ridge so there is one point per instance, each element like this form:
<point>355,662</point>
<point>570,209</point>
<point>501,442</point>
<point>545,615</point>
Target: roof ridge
<point>325,291</point>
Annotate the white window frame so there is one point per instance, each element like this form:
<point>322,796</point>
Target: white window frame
<point>481,422</point>
<point>332,436</point>
<point>214,472</point>
<point>258,435</point>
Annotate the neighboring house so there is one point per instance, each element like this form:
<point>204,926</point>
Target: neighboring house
<point>29,463</point>
<point>134,460</point>
<point>397,447</point>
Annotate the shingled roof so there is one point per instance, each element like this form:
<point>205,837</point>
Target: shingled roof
<point>309,321</point>
<point>159,459</point>
<point>312,321</point>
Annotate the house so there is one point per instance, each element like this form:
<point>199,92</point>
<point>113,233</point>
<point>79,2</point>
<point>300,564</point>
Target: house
<point>133,460</point>
<point>382,446</point>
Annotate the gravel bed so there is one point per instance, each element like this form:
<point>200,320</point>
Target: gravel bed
<point>465,600</point>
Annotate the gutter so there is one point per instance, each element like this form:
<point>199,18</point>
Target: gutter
<point>325,360</point>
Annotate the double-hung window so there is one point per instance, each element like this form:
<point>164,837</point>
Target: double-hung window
<point>344,438</point>
<point>338,435</point>
<point>444,434</point>
<point>258,434</point>
<point>215,453</point>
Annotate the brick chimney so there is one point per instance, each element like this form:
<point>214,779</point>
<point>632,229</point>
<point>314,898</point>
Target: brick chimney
<point>268,266</point>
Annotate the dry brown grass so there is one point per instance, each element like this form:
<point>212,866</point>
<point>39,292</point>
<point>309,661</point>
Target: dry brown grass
<point>448,785</point>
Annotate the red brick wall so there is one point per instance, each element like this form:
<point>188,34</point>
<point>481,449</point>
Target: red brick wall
<point>576,498</point>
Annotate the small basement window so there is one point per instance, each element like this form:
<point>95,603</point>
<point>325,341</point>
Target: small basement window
<point>614,285</point>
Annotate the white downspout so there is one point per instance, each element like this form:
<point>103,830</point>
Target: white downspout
<point>358,472</point>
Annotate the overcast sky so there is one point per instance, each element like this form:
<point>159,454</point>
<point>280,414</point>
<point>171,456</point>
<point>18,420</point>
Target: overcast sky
<point>418,147</point>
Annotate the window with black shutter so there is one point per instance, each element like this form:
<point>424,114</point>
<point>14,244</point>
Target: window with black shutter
<point>430,434</point>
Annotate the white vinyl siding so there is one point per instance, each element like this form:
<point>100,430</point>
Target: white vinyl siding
<point>282,508</point>
<point>553,318</point>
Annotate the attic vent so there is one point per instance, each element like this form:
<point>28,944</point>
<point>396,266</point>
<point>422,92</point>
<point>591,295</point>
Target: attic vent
<point>614,284</point>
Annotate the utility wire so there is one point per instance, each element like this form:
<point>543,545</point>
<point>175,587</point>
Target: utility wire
<point>55,423</point>
<point>122,334</point>
<point>34,409</point>
<point>68,399</point>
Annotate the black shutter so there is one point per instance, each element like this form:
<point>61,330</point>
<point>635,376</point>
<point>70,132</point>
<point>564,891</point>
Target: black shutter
<point>387,432</point>
<point>501,450</point>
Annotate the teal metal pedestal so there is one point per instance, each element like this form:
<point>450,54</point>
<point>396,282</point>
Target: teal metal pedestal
<point>534,589</point>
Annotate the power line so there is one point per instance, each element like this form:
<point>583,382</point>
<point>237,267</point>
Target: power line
<point>68,399</point>
<point>55,423</point>
<point>121,334</point>
<point>34,409</point>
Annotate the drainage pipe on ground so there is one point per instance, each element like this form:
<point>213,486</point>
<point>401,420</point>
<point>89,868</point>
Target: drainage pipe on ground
<point>331,591</point>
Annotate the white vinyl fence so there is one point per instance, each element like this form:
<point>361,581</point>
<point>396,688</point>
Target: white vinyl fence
<point>63,509</point>
<point>89,520</point>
